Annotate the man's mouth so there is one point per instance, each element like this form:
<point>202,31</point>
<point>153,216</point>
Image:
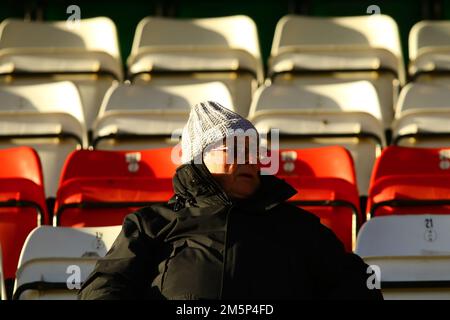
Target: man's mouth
<point>245,175</point>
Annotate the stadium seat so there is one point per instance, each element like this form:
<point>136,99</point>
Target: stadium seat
<point>429,53</point>
<point>326,184</point>
<point>47,117</point>
<point>410,181</point>
<point>327,114</point>
<point>411,253</point>
<point>2,278</point>
<point>422,116</point>
<point>85,52</point>
<point>135,117</point>
<point>185,51</point>
<point>99,188</point>
<point>22,202</point>
<point>56,261</point>
<point>314,50</point>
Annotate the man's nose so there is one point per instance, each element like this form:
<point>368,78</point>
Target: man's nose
<point>248,157</point>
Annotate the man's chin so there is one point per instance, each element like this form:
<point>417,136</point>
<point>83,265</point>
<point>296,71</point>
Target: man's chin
<point>243,192</point>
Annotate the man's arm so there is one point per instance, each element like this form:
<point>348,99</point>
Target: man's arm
<point>340,275</point>
<point>127,271</point>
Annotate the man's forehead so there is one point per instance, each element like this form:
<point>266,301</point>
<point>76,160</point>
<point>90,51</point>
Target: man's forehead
<point>240,138</point>
<point>236,141</point>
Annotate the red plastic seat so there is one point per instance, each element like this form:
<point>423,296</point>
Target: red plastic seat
<point>99,188</point>
<point>326,184</point>
<point>410,181</point>
<point>22,202</point>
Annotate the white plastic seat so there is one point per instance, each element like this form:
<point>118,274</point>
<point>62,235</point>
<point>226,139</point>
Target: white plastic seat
<point>182,51</point>
<point>422,116</point>
<point>330,114</point>
<point>2,278</point>
<point>412,252</point>
<point>315,50</point>
<point>139,116</point>
<point>86,52</point>
<point>49,118</point>
<point>429,51</point>
<point>53,257</point>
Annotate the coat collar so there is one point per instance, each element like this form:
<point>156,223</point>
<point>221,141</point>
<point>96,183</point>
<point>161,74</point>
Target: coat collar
<point>195,186</point>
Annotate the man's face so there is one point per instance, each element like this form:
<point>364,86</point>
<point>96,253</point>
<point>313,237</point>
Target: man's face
<point>234,166</point>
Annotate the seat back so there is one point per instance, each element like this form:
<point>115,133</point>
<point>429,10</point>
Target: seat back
<point>22,202</point>
<point>378,31</point>
<point>324,115</point>
<point>87,45</point>
<point>217,35</point>
<point>140,116</point>
<point>326,185</point>
<point>405,161</point>
<point>51,108</point>
<point>422,116</point>
<point>417,96</point>
<point>47,117</point>
<point>98,188</point>
<point>411,253</point>
<point>345,38</point>
<point>410,180</point>
<point>428,48</point>
<point>324,162</point>
<point>55,261</point>
<point>355,96</point>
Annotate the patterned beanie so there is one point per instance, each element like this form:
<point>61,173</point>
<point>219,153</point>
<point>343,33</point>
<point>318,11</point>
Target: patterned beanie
<point>208,123</point>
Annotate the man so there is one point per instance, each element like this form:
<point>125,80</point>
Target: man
<point>228,233</point>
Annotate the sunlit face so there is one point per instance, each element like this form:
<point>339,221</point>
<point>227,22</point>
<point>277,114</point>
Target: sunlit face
<point>234,167</point>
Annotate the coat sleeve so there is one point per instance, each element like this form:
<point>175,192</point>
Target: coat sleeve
<point>339,274</point>
<point>127,270</point>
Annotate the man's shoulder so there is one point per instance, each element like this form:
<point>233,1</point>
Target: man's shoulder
<point>156,211</point>
<point>152,219</point>
<point>297,226</point>
<point>292,212</point>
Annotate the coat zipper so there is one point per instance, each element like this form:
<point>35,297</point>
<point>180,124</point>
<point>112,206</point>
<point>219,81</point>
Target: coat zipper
<point>225,250</point>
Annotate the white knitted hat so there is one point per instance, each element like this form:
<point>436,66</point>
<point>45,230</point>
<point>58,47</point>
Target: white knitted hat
<point>208,123</point>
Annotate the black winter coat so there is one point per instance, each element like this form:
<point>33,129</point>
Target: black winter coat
<point>202,245</point>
